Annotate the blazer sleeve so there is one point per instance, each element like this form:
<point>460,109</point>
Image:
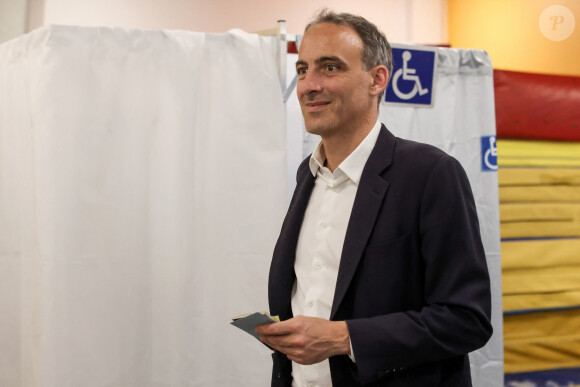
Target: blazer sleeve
<point>455,316</point>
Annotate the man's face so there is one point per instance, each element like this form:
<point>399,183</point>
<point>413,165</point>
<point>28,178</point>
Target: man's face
<point>334,89</point>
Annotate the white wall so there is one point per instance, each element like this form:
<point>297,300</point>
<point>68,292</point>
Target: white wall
<point>12,19</point>
<point>411,21</point>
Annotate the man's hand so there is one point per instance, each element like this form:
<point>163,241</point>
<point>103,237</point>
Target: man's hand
<point>307,340</point>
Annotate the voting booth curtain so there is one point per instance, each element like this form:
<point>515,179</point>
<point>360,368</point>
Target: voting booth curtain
<point>141,194</point>
<point>461,121</point>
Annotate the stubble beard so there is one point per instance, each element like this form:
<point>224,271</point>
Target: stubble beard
<point>321,126</point>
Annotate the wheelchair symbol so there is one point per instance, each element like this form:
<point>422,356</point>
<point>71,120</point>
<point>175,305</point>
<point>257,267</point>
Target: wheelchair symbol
<point>408,75</point>
<point>491,152</point>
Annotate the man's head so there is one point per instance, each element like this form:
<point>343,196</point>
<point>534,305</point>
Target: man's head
<point>343,68</point>
<point>376,48</point>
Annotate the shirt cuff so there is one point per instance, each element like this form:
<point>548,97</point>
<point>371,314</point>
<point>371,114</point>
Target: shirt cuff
<point>351,355</point>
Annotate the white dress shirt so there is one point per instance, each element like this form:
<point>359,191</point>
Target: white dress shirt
<point>320,244</point>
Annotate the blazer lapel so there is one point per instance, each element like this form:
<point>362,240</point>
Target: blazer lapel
<point>369,197</point>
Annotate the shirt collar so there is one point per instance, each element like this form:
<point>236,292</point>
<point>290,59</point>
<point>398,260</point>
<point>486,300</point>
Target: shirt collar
<point>354,164</point>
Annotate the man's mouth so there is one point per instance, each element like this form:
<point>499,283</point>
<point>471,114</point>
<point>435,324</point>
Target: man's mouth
<point>316,105</point>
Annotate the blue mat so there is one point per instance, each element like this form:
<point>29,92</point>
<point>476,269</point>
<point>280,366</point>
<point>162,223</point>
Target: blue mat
<point>551,378</point>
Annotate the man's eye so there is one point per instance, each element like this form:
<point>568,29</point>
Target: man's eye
<point>331,67</point>
<point>301,70</point>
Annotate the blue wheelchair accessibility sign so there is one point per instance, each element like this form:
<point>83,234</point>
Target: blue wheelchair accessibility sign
<point>488,153</point>
<point>413,76</point>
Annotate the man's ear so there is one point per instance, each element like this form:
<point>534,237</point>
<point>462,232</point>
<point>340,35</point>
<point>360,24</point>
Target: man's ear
<point>380,78</point>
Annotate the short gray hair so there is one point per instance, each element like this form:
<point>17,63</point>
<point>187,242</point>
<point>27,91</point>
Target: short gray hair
<point>376,47</point>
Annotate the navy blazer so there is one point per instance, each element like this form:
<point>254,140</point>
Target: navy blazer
<point>413,285</point>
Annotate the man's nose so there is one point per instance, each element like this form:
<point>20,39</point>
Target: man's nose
<point>310,83</point>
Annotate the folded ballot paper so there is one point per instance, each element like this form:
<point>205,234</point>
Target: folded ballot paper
<point>249,322</point>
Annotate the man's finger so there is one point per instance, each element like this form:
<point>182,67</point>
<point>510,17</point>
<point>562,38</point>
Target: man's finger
<point>276,329</point>
<point>282,343</point>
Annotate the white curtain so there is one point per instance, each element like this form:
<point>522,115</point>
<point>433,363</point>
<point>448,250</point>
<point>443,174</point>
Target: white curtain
<point>463,112</point>
<point>142,186</point>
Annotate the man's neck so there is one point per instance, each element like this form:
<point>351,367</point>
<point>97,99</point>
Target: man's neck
<point>338,148</point>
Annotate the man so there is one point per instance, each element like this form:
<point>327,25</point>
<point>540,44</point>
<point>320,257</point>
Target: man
<point>379,275</point>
